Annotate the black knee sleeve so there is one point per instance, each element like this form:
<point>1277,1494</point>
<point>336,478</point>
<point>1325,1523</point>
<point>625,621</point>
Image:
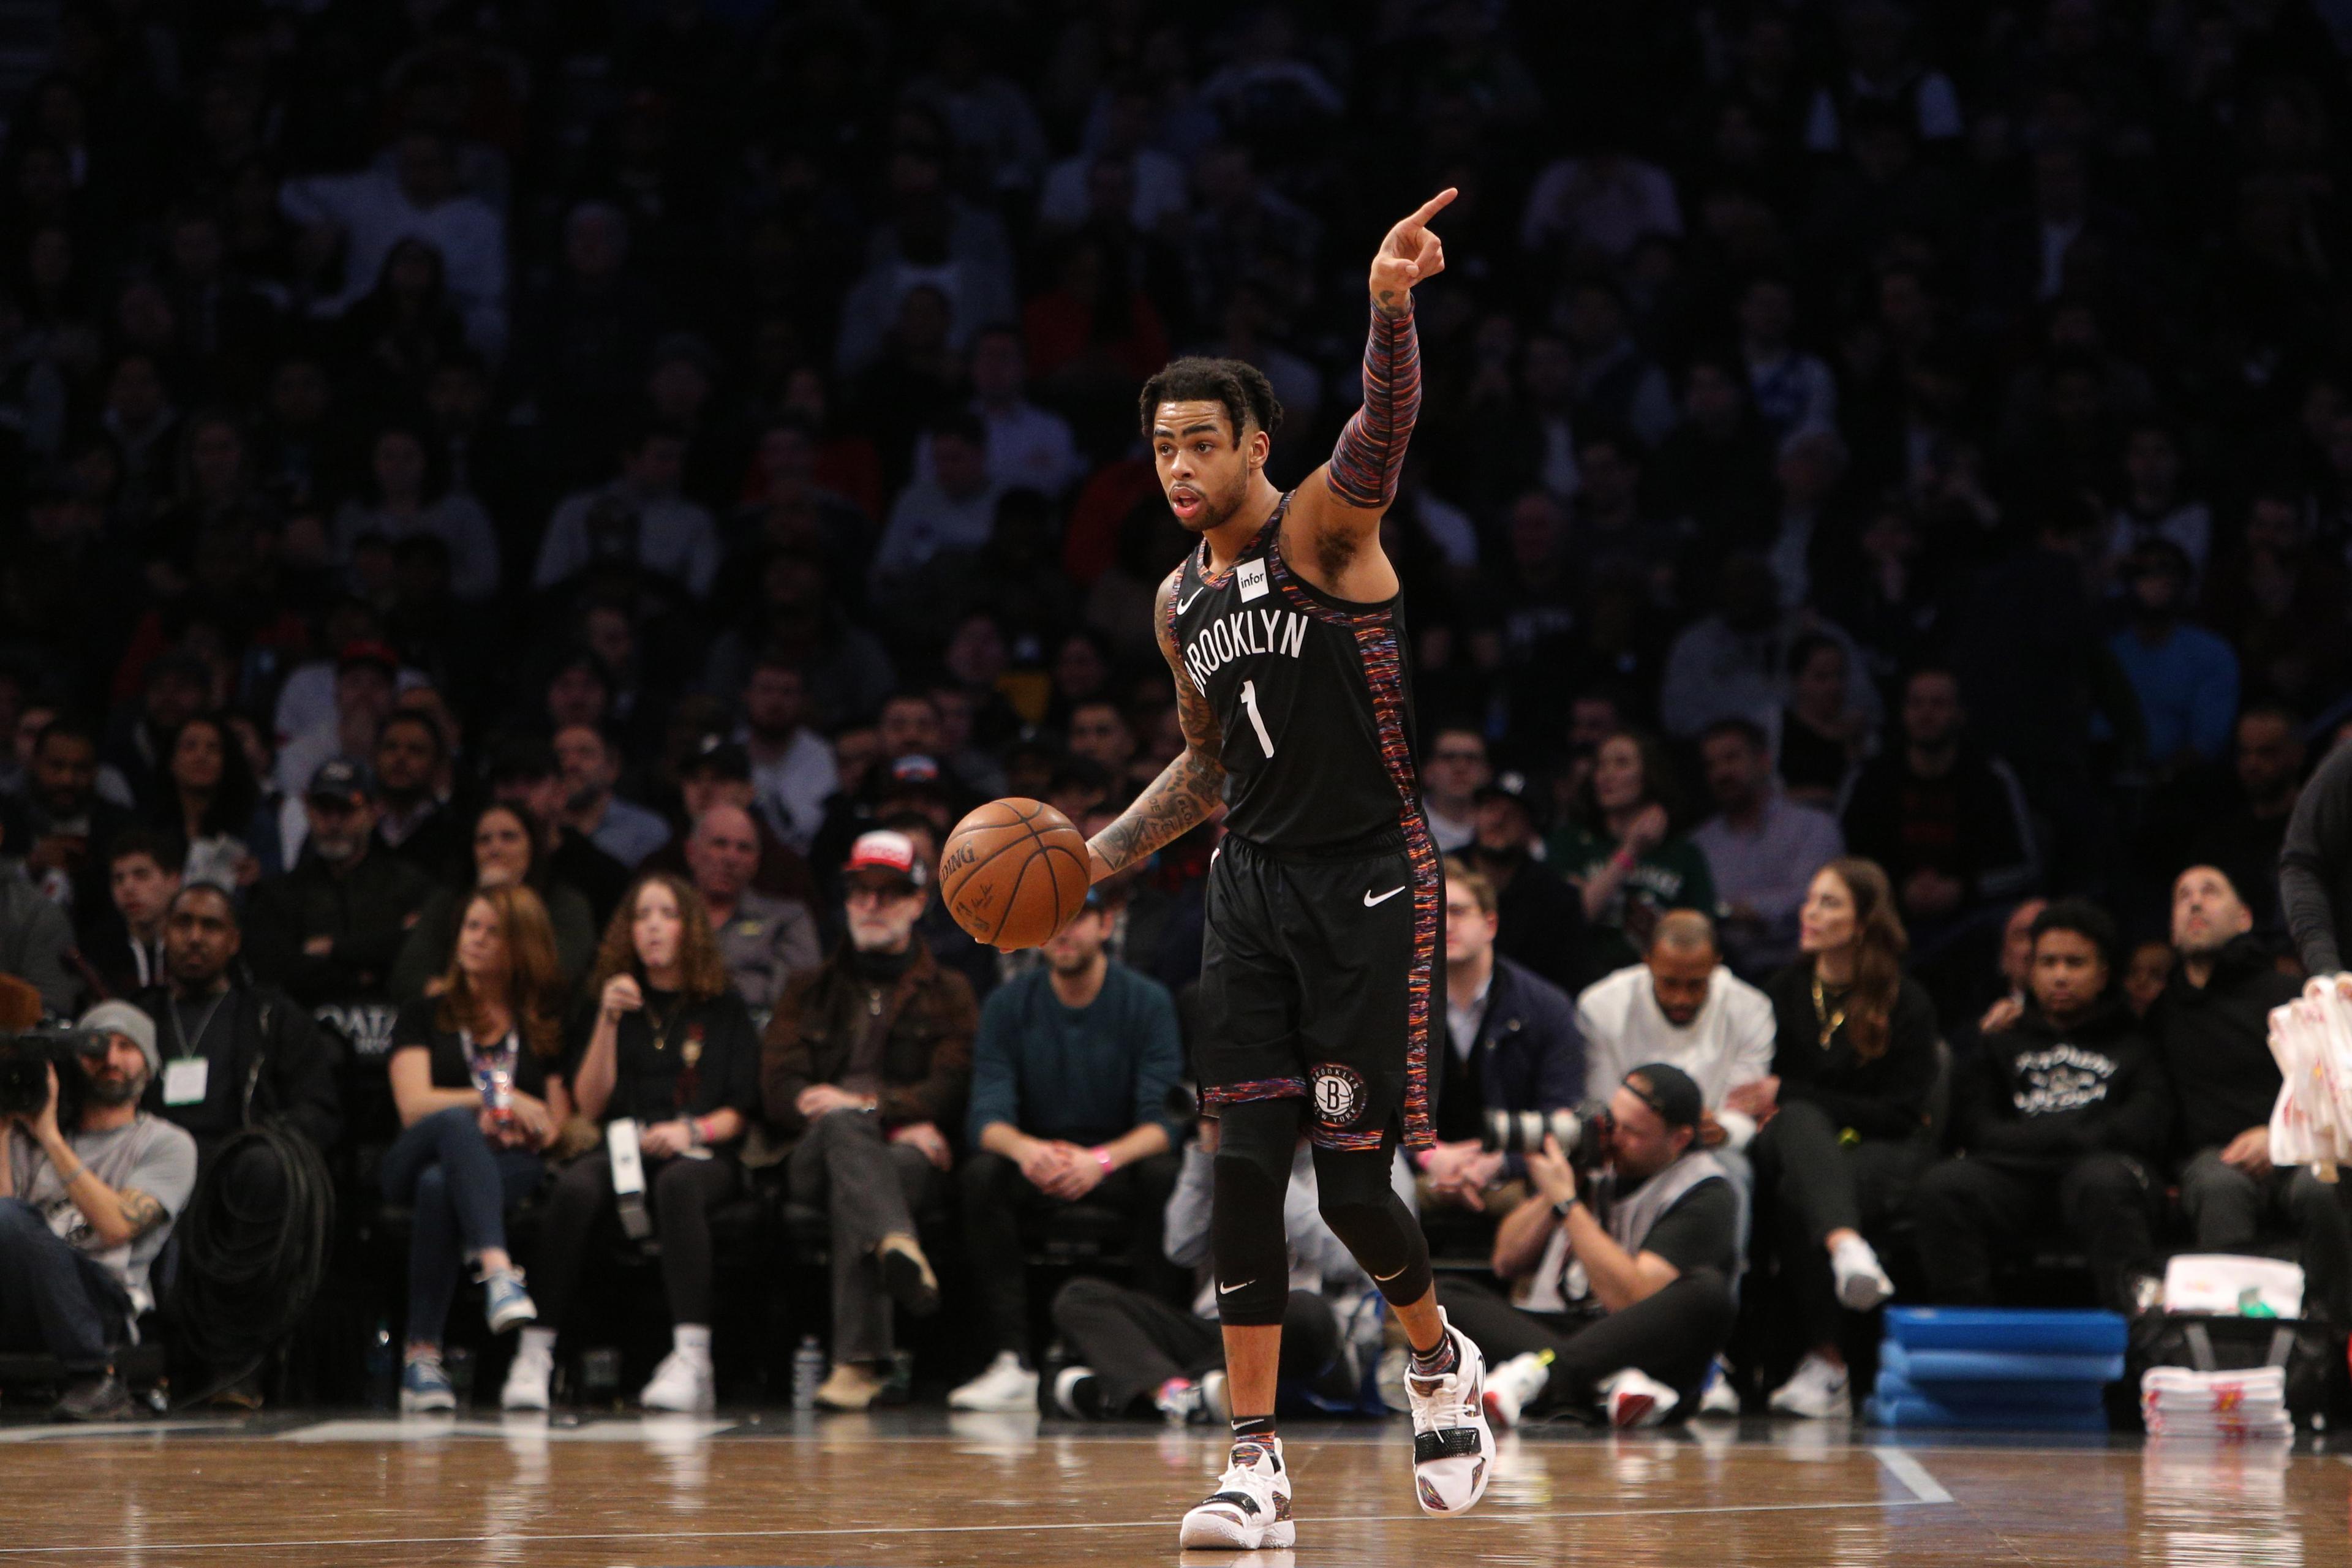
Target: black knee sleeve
<point>1247,1238</point>
<point>1372,1222</point>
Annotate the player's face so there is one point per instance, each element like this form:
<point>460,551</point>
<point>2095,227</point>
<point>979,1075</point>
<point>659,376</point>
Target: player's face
<point>1204,464</point>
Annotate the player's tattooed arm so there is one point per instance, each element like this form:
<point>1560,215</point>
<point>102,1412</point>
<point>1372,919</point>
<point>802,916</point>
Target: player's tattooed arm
<point>1190,790</point>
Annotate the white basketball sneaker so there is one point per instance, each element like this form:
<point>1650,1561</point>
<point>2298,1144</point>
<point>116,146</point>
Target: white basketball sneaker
<point>1453,1445</point>
<point>1250,1509</point>
<point>683,1382</point>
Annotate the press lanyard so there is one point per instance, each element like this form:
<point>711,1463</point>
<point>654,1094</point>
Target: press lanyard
<point>188,1047</point>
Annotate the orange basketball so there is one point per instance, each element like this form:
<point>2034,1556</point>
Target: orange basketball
<point>1014,873</point>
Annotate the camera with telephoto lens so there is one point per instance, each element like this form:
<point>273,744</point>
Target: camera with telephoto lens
<point>25,1061</point>
<point>1583,1132</point>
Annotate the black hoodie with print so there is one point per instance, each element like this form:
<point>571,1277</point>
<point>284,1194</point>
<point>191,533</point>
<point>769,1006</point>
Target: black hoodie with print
<point>2043,1095</point>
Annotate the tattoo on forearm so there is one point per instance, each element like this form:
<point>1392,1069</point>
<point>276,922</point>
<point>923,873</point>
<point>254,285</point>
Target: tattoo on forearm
<point>139,1211</point>
<point>1190,790</point>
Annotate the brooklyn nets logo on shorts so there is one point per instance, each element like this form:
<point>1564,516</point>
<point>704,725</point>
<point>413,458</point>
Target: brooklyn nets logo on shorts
<point>1337,1093</point>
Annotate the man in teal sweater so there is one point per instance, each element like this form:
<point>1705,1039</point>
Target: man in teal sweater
<point>1069,1104</point>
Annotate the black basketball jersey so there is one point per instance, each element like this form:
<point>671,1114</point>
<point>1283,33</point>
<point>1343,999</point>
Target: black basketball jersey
<point>1311,694</point>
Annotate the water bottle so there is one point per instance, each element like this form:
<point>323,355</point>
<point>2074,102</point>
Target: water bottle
<point>808,1372</point>
<point>383,1367</point>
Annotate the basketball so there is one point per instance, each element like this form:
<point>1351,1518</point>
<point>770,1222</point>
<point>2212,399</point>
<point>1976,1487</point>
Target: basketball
<point>1014,873</point>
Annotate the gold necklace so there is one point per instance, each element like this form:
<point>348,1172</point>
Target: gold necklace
<point>1829,1022</point>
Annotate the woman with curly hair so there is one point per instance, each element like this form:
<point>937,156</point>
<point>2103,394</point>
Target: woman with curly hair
<point>1844,1115</point>
<point>475,1076</point>
<point>669,1047</point>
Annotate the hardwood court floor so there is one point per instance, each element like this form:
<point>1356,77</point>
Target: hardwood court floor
<point>909,1489</point>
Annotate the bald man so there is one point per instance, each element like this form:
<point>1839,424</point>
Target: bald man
<point>763,939</point>
<point>1682,1007</point>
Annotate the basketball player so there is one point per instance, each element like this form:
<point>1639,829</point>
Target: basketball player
<point>1286,637</point>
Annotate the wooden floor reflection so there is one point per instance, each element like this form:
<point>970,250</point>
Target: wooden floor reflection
<point>919,1489</point>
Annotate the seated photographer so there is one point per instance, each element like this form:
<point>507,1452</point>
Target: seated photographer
<point>2070,1103</point>
<point>1625,1299</point>
<point>668,1047</point>
<point>2211,1029</point>
<point>1070,1101</point>
<point>1515,1047</point>
<point>866,1061</point>
<point>1136,1355</point>
<point>473,1077</point>
<point>83,1213</point>
<point>234,1055</point>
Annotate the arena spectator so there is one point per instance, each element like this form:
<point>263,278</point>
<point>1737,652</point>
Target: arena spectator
<point>407,501</point>
<point>1623,852</point>
<point>328,930</point>
<point>1822,736</point>
<point>506,853</point>
<point>475,1077</point>
<point>2243,842</point>
<point>670,1049</point>
<point>1629,1295</point>
<point>1069,1102</point>
<point>640,520</point>
<point>67,823</point>
<point>1027,446</point>
<point>764,940</point>
<point>413,823</point>
<point>1135,1353</point>
<point>37,940</point>
<point>144,870</point>
<point>1791,389</point>
<point>2211,1029</point>
<point>1854,1060</point>
<point>1541,922</point>
<point>2016,967</point>
<point>791,766</point>
<point>1681,1005</point>
<point>2071,1101</point>
<point>2185,676</point>
<point>85,1209</point>
<point>367,680</point>
<point>208,798</point>
<point>1453,771</point>
<point>524,774</point>
<point>1761,848</point>
<point>2315,864</point>
<point>234,1054</point>
<point>865,1070</point>
<point>1514,1046</point>
<point>952,507</point>
<point>591,766</point>
<point>1949,824</point>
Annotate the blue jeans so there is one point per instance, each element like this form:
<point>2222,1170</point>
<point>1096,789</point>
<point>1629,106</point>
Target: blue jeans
<point>459,1187</point>
<point>53,1298</point>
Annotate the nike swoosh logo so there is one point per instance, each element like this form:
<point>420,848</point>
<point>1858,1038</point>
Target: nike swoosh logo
<point>1184,604</point>
<point>1384,1279</point>
<point>1369,900</point>
<point>1229,1290</point>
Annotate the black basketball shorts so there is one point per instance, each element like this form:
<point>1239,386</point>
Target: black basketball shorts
<point>1319,979</point>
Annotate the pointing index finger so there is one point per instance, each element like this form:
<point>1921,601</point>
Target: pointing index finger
<point>1434,205</point>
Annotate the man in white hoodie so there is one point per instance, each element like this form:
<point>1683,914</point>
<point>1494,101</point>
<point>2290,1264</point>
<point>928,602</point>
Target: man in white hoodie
<point>1682,1007</point>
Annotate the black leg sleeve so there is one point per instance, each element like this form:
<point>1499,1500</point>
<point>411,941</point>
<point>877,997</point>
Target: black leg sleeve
<point>1369,1218</point>
<point>1246,1237</point>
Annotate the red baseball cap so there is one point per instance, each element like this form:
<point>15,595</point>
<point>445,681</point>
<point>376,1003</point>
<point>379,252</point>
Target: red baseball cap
<point>891,853</point>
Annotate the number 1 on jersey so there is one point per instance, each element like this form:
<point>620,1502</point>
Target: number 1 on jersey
<point>1257,720</point>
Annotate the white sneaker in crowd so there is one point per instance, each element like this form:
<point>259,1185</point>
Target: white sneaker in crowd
<point>1514,1385</point>
<point>1250,1509</point>
<point>1633,1398</point>
<point>1816,1391</point>
<point>1719,1397</point>
<point>1006,1386</point>
<point>683,1382</point>
<point>1453,1444</point>
<point>531,1372</point>
<point>1862,1284</point>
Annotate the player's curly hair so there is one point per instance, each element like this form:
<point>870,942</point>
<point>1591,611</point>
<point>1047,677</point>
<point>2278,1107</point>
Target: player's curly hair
<point>1240,387</point>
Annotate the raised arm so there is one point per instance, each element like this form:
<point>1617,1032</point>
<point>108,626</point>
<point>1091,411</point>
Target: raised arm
<point>1190,790</point>
<point>1360,480</point>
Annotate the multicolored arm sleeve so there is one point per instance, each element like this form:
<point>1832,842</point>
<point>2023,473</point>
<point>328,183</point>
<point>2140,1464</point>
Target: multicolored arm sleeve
<point>1366,464</point>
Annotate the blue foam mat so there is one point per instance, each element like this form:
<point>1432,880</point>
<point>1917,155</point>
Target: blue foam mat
<point>1977,1396</point>
<point>1925,1366</point>
<point>2006,1329</point>
<point>1922,1413</point>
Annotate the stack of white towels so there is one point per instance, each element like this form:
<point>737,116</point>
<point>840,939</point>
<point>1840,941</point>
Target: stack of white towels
<point>2216,1406</point>
<point>2311,1037</point>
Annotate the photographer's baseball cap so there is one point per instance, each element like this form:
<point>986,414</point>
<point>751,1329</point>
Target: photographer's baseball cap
<point>122,1018</point>
<point>341,780</point>
<point>884,853</point>
<point>1669,1091</point>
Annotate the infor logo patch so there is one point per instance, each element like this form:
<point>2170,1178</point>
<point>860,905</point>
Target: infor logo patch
<point>1337,1093</point>
<point>1251,578</point>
